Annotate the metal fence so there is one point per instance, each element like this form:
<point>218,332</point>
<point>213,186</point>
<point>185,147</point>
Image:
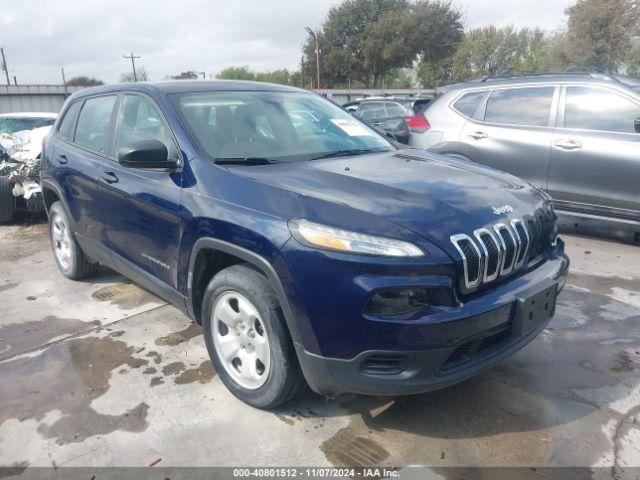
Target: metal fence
<point>33,98</point>
<point>345,95</point>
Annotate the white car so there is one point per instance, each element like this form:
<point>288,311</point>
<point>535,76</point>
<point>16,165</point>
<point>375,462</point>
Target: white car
<point>21,136</point>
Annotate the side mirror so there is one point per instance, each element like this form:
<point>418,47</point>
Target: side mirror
<point>146,154</point>
<point>636,124</point>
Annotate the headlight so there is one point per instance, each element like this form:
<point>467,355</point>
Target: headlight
<point>331,238</point>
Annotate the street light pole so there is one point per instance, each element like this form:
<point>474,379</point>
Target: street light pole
<point>315,39</point>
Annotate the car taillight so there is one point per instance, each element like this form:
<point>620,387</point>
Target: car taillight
<point>418,123</point>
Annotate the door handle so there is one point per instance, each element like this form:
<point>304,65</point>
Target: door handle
<point>109,177</point>
<point>62,159</point>
<point>568,144</point>
<point>479,135</point>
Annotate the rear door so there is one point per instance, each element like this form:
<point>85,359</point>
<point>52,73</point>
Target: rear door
<point>144,228</point>
<point>78,155</point>
<point>595,160</point>
<point>512,131</point>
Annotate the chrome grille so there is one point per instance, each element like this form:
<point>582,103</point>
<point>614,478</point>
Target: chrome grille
<point>501,249</point>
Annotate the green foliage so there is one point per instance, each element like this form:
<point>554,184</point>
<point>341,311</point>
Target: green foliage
<point>363,40</point>
<point>282,76</point>
<point>84,81</point>
<point>188,75</point>
<point>141,75</point>
<point>489,51</point>
<point>604,34</point>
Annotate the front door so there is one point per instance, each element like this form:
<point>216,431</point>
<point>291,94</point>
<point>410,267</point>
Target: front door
<point>595,160</point>
<point>144,228</point>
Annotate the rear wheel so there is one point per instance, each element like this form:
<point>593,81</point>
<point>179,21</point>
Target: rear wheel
<point>7,200</point>
<point>248,340</point>
<point>71,260</point>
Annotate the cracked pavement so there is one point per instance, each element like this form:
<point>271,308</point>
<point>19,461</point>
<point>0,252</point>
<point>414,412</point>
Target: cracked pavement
<point>102,373</point>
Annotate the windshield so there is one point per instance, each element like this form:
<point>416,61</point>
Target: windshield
<point>284,126</point>
<point>17,124</point>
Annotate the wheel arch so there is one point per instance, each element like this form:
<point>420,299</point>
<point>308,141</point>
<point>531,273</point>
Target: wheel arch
<point>207,247</point>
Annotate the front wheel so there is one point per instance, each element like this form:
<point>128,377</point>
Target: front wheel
<point>247,338</point>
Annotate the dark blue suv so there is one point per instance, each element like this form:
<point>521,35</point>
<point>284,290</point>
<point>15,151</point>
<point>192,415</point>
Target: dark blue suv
<point>311,249</point>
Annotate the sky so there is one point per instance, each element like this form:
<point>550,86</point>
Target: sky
<point>91,37</point>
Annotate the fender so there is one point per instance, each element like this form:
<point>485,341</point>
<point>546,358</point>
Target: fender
<point>262,264</point>
<point>54,186</point>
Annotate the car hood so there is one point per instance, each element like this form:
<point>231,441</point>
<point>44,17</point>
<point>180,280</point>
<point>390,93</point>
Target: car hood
<point>433,195</point>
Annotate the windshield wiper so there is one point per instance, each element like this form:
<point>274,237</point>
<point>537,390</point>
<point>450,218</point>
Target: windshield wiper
<point>243,161</point>
<point>348,152</point>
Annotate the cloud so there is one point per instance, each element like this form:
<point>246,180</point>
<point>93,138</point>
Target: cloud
<point>90,38</point>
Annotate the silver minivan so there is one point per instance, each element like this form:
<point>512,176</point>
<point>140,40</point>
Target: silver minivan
<point>577,136</point>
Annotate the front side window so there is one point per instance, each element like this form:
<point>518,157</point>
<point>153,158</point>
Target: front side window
<point>139,119</point>
<point>66,126</point>
<point>93,123</point>
<point>468,103</point>
<point>281,126</point>
<point>591,108</point>
<point>520,106</point>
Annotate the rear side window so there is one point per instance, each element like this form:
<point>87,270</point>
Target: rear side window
<point>139,119</point>
<point>371,110</point>
<point>599,109</point>
<point>520,106</point>
<point>396,110</point>
<point>467,104</point>
<point>66,126</point>
<point>93,123</point>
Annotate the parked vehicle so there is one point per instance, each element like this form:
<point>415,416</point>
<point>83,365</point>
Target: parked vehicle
<point>308,246</point>
<point>417,104</point>
<point>21,137</point>
<point>396,117</point>
<point>577,136</point>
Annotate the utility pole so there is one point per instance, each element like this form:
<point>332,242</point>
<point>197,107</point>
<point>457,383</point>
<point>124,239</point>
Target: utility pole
<point>203,75</point>
<point>64,82</point>
<point>315,39</point>
<point>4,65</point>
<point>302,71</point>
<point>132,57</point>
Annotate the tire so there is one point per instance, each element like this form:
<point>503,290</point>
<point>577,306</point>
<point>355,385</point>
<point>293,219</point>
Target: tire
<point>7,200</point>
<point>280,377</point>
<point>71,260</point>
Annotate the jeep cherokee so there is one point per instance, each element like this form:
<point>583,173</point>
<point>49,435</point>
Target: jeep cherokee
<point>311,249</point>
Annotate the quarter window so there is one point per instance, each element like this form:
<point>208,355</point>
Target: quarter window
<point>599,109</point>
<point>66,127</point>
<point>139,119</point>
<point>93,123</point>
<point>520,106</point>
<point>467,104</point>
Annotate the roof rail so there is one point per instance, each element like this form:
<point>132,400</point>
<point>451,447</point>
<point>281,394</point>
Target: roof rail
<point>571,70</point>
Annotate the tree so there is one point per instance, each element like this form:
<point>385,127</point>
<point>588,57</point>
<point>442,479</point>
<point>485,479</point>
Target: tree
<point>141,75</point>
<point>84,81</point>
<point>236,73</point>
<point>489,51</point>
<point>363,40</point>
<point>604,33</point>
<point>189,75</point>
<point>282,76</point>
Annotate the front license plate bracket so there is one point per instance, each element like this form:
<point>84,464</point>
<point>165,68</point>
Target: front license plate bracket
<point>535,306</point>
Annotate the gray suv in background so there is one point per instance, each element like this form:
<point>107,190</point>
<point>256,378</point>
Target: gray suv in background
<point>577,136</point>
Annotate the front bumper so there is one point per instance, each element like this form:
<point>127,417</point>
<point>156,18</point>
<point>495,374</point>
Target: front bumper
<point>468,342</point>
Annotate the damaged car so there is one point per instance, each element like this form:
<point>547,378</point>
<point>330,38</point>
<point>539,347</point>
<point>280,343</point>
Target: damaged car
<point>21,136</point>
